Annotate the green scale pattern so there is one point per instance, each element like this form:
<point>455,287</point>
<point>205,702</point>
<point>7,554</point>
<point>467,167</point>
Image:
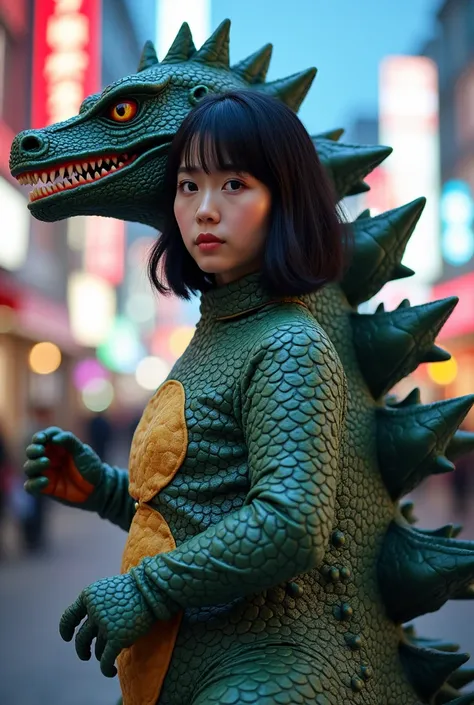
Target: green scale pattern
<point>295,563</point>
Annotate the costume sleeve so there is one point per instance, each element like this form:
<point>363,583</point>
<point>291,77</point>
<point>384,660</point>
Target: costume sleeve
<point>292,406</point>
<point>111,499</point>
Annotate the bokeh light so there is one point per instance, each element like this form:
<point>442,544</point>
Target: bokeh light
<point>87,370</point>
<point>180,339</point>
<point>443,373</point>
<point>122,350</point>
<point>44,358</point>
<point>98,394</point>
<point>151,372</point>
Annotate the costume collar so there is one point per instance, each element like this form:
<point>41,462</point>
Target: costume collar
<point>238,298</point>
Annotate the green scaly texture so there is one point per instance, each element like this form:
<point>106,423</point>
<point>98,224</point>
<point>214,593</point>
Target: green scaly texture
<point>314,573</point>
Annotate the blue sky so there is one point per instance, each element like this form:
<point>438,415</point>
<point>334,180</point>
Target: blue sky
<point>344,39</point>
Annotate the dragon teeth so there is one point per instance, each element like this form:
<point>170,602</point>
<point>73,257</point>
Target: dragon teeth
<point>99,163</point>
<point>85,166</point>
<point>89,177</point>
<point>61,172</point>
<point>81,179</point>
<point>70,170</point>
<point>93,164</point>
<point>52,175</point>
<point>104,172</point>
<point>78,168</point>
<point>114,160</point>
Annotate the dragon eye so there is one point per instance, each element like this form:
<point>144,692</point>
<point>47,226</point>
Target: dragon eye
<point>124,111</point>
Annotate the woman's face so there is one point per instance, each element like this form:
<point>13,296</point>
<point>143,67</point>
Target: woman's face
<point>233,206</point>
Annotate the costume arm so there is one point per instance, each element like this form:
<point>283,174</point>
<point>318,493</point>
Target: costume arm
<point>111,499</point>
<point>293,405</point>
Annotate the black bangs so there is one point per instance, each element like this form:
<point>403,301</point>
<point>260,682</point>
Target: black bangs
<point>225,138</point>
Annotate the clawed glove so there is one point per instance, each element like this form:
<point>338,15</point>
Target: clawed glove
<point>117,614</point>
<point>61,466</point>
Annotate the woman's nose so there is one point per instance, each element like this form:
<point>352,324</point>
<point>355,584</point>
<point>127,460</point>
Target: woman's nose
<point>207,211</point>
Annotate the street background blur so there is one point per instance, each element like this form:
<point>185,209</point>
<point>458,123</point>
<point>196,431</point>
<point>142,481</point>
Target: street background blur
<point>84,342</point>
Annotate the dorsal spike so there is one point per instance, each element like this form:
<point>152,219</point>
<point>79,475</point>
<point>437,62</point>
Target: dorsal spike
<point>427,669</point>
<point>442,465</point>
<point>467,699</point>
<point>414,397</point>
<point>462,442</point>
<point>390,345</point>
<point>183,48</point>
<point>436,354</point>
<point>379,246</point>
<point>358,188</point>
<point>449,531</point>
<point>333,135</point>
<point>422,434</point>
<point>347,164</point>
<point>464,593</point>
<point>407,511</point>
<point>291,90</point>
<point>254,68</point>
<point>380,308</point>
<point>401,272</point>
<point>410,634</point>
<point>405,303</point>
<point>433,570</point>
<point>364,214</point>
<point>215,50</point>
<point>148,57</point>
<point>461,677</point>
<point>446,694</point>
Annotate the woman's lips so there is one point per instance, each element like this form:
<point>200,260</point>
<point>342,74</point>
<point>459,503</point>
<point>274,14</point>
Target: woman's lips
<point>209,246</point>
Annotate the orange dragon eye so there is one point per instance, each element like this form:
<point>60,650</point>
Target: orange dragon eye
<point>123,111</point>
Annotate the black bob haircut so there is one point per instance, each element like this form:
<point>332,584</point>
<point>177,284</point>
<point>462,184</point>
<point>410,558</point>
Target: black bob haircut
<point>306,246</point>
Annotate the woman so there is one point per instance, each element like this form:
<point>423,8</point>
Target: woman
<point>234,462</point>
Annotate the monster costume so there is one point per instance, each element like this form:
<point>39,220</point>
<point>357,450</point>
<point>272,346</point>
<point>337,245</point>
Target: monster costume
<point>279,565</point>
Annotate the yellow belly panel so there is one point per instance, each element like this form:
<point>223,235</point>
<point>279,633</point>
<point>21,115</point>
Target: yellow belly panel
<point>158,450</point>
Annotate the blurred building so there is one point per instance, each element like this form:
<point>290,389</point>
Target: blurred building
<point>52,54</point>
<point>452,49</point>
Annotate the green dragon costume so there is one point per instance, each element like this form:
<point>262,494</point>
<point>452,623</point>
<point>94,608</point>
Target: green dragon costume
<point>268,558</point>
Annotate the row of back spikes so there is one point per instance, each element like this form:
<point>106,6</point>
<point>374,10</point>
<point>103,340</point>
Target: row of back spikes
<point>214,54</point>
<point>413,440</point>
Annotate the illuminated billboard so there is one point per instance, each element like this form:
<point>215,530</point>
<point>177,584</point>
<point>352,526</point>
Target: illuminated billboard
<point>66,58</point>
<point>408,106</point>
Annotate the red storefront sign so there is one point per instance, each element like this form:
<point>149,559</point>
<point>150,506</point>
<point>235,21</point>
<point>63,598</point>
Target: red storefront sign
<point>66,58</point>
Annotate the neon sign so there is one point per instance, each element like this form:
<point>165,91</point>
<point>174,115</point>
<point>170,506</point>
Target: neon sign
<point>66,58</point>
<point>457,216</point>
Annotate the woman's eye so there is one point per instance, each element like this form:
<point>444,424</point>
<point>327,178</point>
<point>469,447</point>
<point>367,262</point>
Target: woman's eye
<point>188,187</point>
<point>234,185</point>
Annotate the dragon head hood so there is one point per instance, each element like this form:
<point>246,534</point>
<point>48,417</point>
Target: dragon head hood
<point>109,160</point>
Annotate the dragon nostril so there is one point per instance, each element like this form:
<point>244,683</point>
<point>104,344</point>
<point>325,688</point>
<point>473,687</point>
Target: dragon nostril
<point>31,143</point>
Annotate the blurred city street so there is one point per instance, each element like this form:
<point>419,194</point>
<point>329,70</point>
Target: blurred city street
<point>38,668</point>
